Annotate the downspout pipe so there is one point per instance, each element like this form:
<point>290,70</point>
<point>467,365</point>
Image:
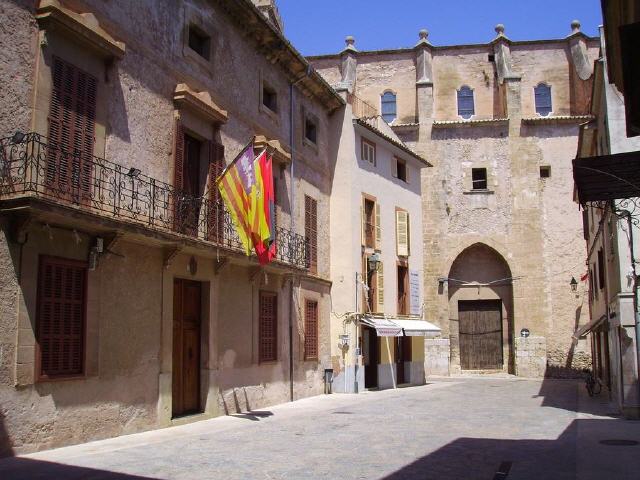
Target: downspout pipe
<point>292,203</point>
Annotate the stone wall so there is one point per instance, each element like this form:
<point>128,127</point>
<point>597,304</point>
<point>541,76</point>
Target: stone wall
<point>531,356</point>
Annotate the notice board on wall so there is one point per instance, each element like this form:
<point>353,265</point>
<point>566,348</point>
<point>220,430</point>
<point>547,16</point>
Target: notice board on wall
<point>414,291</point>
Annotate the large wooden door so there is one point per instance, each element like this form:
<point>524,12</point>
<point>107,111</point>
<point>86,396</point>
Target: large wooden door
<point>402,355</point>
<point>480,329</point>
<point>186,346</point>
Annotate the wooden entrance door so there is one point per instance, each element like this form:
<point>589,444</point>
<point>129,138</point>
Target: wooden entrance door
<point>480,329</point>
<point>186,346</point>
<point>370,357</point>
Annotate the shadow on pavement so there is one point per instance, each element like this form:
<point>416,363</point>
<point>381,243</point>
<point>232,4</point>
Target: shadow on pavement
<point>254,415</point>
<point>18,468</point>
<point>572,395</point>
<point>559,459</point>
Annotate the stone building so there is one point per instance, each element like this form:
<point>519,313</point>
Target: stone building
<point>377,333</point>
<point>502,237</point>
<point>607,174</point>
<point>126,301</point>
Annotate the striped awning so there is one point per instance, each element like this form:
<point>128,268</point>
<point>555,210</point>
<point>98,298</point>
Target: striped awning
<point>417,328</point>
<point>383,326</point>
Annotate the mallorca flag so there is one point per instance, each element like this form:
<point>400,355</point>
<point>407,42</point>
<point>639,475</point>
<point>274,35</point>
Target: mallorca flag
<point>247,189</point>
<point>263,210</point>
<point>235,185</point>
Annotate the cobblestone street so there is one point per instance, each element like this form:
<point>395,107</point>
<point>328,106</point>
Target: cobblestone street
<point>461,428</point>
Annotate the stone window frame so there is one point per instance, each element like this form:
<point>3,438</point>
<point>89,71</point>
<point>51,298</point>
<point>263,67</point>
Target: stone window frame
<point>468,180</point>
<point>266,83</point>
<point>395,102</point>
<point>535,105</point>
<point>193,18</point>
<point>473,98</point>
<point>308,116</point>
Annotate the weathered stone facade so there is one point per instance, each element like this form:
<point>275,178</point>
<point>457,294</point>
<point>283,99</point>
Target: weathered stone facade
<point>153,83</point>
<point>523,227</point>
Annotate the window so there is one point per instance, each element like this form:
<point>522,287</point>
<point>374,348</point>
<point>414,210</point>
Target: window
<point>269,98</point>
<point>71,131</point>
<point>61,317</point>
<point>479,178</point>
<point>400,171</point>
<point>268,327</point>
<point>199,42</point>
<point>403,290</point>
<point>465,103</point>
<point>388,106</point>
<point>402,233</point>
<point>545,171</point>
<point>491,58</point>
<point>311,330</point>
<point>543,99</point>
<point>310,130</point>
<point>311,232</point>
<point>369,223</point>
<point>368,151</point>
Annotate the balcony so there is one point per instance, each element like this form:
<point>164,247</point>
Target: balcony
<point>32,168</point>
<point>361,109</point>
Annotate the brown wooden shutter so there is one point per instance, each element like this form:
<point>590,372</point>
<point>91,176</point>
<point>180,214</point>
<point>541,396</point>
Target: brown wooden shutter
<point>311,231</point>
<point>72,117</point>
<point>380,288</point>
<point>378,231</point>
<point>61,317</point>
<point>178,158</point>
<point>215,211</point>
<point>268,327</point>
<point>311,330</point>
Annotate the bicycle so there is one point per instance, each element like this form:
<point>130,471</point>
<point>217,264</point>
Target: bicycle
<point>593,386</point>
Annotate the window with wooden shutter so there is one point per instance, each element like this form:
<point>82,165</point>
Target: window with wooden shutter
<point>465,103</point>
<point>402,233</point>
<point>178,176</point>
<point>369,222</point>
<point>601,269</point>
<point>311,231</point>
<point>311,330</point>
<point>268,327</point>
<point>542,94</point>
<point>378,227</point>
<point>215,213</point>
<point>61,315</point>
<point>380,288</point>
<point>72,119</point>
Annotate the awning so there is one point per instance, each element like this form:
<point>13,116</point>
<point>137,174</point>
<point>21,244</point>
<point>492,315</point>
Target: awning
<point>417,328</point>
<point>383,326</point>
<point>607,177</point>
<point>584,329</point>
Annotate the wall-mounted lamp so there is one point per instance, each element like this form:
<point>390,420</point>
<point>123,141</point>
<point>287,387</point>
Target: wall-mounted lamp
<point>18,137</point>
<point>574,284</point>
<point>133,172</point>
<point>374,262</point>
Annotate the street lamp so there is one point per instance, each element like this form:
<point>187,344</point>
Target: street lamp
<point>574,284</point>
<point>374,262</point>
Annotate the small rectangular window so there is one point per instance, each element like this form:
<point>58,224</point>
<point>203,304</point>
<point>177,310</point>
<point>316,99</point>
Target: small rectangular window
<point>401,169</point>
<point>311,330</point>
<point>61,317</point>
<point>368,151</point>
<point>269,98</point>
<point>479,178</point>
<point>601,269</point>
<point>268,327</point>
<point>491,58</point>
<point>199,42</point>
<point>545,171</point>
<point>310,130</point>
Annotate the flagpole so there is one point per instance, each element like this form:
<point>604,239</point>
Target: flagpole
<point>235,160</point>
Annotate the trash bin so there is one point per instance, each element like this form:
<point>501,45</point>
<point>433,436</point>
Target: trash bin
<point>328,380</point>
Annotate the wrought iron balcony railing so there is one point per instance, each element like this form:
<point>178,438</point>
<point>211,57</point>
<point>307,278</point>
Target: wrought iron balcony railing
<point>29,166</point>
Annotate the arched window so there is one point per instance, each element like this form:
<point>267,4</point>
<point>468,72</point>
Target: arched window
<point>388,104</point>
<point>543,99</point>
<point>465,103</point>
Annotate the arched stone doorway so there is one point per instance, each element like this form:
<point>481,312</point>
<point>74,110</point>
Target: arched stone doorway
<point>481,311</point>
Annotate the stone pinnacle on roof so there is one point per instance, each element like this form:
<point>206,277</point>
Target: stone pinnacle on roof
<point>500,29</point>
<point>350,42</point>
<point>424,37</point>
<point>575,26</point>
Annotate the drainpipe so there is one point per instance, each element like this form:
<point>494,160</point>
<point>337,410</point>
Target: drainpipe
<point>292,203</point>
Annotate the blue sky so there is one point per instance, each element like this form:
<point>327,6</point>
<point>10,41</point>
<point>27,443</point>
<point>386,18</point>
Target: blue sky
<point>319,26</point>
